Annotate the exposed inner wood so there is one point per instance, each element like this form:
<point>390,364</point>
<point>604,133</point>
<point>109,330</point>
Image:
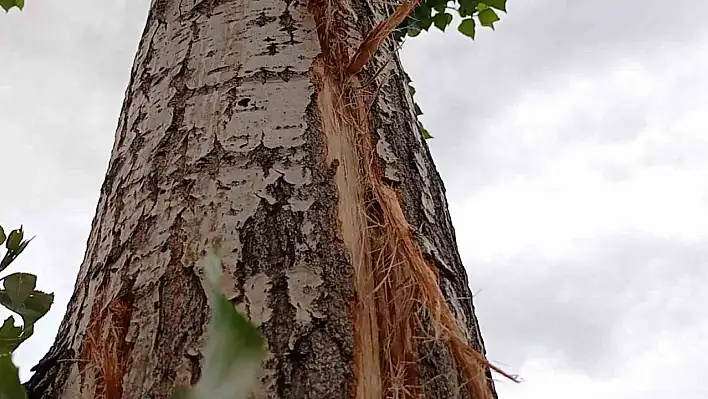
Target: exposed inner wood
<point>342,150</point>
<point>397,289</point>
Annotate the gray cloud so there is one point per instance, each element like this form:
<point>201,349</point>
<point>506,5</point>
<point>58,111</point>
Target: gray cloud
<point>577,308</point>
<point>501,107</point>
<point>69,71</point>
<point>471,88</point>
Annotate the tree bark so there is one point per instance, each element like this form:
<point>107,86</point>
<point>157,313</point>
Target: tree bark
<point>226,139</point>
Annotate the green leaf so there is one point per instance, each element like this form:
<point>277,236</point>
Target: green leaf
<point>488,17</point>
<point>471,4</point>
<point>426,134</point>
<point>11,255</point>
<point>19,286</point>
<point>6,260</point>
<point>498,4</point>
<point>467,27</point>
<point>234,348</point>
<point>467,7</point>
<point>441,21</point>
<point>422,16</point>
<point>2,231</point>
<point>413,31</point>
<point>10,386</point>
<point>33,308</point>
<point>417,109</point>
<point>437,5</point>
<point>425,23</point>
<point>14,239</point>
<point>7,4</point>
<point>23,246</point>
<point>10,336</point>
<point>412,90</point>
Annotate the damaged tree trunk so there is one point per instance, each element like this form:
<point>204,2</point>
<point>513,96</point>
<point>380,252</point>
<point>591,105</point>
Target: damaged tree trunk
<point>244,129</point>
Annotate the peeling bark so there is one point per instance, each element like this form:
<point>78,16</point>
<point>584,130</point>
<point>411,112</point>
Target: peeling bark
<point>222,141</point>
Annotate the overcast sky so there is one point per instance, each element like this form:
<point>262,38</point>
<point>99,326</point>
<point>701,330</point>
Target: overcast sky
<point>572,142</point>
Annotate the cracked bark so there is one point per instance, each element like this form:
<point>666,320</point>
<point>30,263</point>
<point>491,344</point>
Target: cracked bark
<point>219,142</point>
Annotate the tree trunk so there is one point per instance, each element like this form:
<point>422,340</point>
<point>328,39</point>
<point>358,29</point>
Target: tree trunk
<point>240,129</point>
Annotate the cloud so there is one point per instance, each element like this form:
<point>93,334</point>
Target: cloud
<point>552,74</point>
<point>572,142</point>
<point>571,200</point>
<point>594,309</point>
<point>69,71</point>
<point>673,370</point>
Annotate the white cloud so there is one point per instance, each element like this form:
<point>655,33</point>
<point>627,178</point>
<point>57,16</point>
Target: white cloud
<point>571,202</point>
<point>594,155</point>
<point>673,368</point>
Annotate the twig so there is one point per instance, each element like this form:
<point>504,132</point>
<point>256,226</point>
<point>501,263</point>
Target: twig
<point>378,34</point>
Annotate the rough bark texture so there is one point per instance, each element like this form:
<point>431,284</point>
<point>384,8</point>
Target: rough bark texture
<point>220,142</point>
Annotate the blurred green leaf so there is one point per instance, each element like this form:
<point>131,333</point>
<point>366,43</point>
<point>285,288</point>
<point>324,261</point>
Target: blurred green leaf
<point>416,108</point>
<point>412,90</point>
<point>488,17</point>
<point>2,231</point>
<point>12,254</point>
<point>467,7</point>
<point>10,336</point>
<point>426,134</point>
<point>6,260</point>
<point>498,4</point>
<point>15,238</point>
<point>441,21</point>
<point>422,16</point>
<point>10,386</point>
<point>233,352</point>
<point>467,28</point>
<point>31,309</point>
<point>19,286</point>
<point>8,4</point>
<point>440,8</point>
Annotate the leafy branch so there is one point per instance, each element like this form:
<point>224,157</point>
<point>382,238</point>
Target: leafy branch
<point>437,13</point>
<point>17,294</point>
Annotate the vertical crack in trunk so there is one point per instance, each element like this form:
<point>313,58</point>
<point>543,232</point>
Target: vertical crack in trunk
<point>399,300</point>
<point>342,149</point>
